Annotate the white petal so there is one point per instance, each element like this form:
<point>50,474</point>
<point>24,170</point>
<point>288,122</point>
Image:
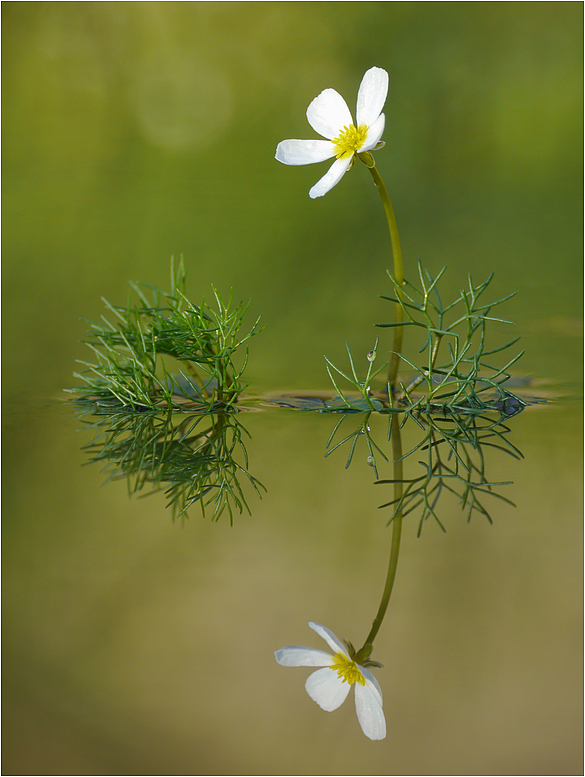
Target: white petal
<point>328,114</point>
<point>373,684</point>
<point>375,132</point>
<point>371,96</point>
<point>335,644</point>
<point>369,712</point>
<point>294,655</point>
<point>304,152</point>
<point>331,177</point>
<point>326,688</point>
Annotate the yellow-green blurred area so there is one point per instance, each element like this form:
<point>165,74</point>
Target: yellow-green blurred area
<point>134,131</point>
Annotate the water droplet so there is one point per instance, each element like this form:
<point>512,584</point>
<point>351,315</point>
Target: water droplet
<point>371,461</point>
<point>371,356</point>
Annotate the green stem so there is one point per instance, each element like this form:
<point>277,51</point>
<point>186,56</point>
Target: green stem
<point>368,160</point>
<point>365,652</point>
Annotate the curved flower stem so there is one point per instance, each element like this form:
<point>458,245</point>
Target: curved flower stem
<point>368,160</point>
<point>365,652</point>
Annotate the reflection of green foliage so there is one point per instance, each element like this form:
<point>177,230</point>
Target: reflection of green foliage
<point>454,463</point>
<point>455,444</point>
<point>193,457</point>
<point>363,429</point>
<point>130,373</point>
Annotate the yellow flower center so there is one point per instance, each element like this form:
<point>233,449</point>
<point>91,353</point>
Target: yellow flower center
<point>350,140</point>
<point>347,669</point>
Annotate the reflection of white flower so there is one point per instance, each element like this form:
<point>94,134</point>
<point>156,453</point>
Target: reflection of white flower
<point>329,686</point>
<point>329,115</point>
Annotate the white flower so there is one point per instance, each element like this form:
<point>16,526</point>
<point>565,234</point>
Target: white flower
<point>329,115</point>
<point>329,686</point>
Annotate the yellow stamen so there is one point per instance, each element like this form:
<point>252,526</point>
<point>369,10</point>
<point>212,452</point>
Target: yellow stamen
<point>347,670</point>
<point>350,140</point>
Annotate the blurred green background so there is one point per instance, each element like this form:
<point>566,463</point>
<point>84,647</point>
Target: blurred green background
<point>137,131</point>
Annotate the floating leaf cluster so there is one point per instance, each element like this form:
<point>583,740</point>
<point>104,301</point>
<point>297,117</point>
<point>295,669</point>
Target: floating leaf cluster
<point>140,348</point>
<point>455,381</point>
<point>457,397</point>
<point>456,376</point>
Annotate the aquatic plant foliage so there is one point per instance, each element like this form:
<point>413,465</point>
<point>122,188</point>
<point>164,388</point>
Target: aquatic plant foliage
<point>136,348</point>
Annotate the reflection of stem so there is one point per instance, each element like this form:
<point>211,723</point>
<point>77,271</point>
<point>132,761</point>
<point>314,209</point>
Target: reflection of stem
<point>368,160</point>
<point>366,650</point>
